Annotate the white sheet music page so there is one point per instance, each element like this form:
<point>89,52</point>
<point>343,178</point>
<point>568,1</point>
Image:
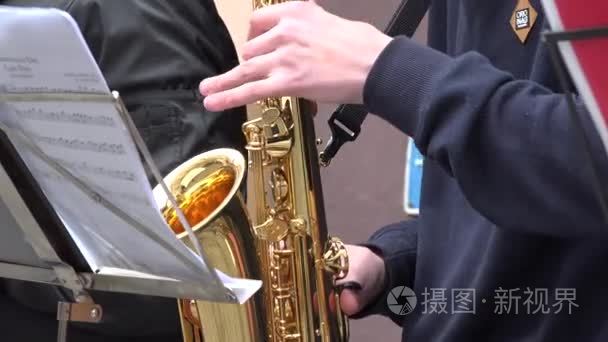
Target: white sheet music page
<point>42,51</point>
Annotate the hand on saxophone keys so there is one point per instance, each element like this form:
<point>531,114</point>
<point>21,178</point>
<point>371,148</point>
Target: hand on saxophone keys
<point>365,280</point>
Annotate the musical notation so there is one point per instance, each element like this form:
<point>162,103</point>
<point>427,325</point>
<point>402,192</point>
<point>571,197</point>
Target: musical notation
<point>85,167</point>
<point>77,144</point>
<point>9,88</point>
<point>33,113</point>
<point>128,197</point>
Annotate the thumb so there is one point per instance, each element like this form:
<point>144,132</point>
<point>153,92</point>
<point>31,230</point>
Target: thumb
<point>351,301</point>
<point>364,280</point>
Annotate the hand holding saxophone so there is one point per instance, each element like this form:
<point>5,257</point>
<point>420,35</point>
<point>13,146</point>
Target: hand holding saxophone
<point>298,49</point>
<point>367,269</point>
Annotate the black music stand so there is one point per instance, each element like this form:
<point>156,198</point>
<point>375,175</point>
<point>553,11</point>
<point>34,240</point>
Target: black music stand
<point>36,246</point>
<point>552,39</point>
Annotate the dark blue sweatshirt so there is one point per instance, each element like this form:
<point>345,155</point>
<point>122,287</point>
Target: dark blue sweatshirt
<point>511,244</point>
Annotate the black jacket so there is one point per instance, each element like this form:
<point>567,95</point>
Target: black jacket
<point>154,53</point>
<point>511,242</point>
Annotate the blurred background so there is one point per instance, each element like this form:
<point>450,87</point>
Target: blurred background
<point>364,186</point>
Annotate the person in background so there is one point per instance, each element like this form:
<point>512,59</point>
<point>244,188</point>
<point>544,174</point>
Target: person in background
<point>511,243</point>
<point>154,53</point>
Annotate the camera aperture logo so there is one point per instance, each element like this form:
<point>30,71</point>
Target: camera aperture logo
<point>401,300</point>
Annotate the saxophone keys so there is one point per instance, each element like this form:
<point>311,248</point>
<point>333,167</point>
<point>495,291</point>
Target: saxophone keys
<point>272,230</point>
<point>279,148</point>
<point>335,258</point>
<point>279,186</point>
<point>298,226</point>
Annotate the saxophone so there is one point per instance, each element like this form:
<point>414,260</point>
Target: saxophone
<point>281,239</point>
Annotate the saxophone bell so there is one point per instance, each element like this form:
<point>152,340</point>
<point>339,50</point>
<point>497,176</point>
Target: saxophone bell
<point>206,188</point>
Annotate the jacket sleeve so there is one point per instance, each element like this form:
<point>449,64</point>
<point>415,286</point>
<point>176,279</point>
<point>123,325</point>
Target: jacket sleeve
<point>396,244</point>
<point>511,145</point>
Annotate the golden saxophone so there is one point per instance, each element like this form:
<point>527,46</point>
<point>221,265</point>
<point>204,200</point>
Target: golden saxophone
<point>283,241</point>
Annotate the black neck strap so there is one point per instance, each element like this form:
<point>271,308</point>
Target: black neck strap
<point>345,122</point>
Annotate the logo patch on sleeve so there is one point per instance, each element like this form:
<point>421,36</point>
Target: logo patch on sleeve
<point>523,19</point>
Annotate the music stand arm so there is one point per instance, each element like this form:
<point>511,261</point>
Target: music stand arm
<point>552,39</point>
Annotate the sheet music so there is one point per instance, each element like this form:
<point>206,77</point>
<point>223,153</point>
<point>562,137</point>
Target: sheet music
<point>42,51</point>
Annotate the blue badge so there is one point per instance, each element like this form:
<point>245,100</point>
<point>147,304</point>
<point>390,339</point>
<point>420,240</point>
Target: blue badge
<point>413,179</point>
